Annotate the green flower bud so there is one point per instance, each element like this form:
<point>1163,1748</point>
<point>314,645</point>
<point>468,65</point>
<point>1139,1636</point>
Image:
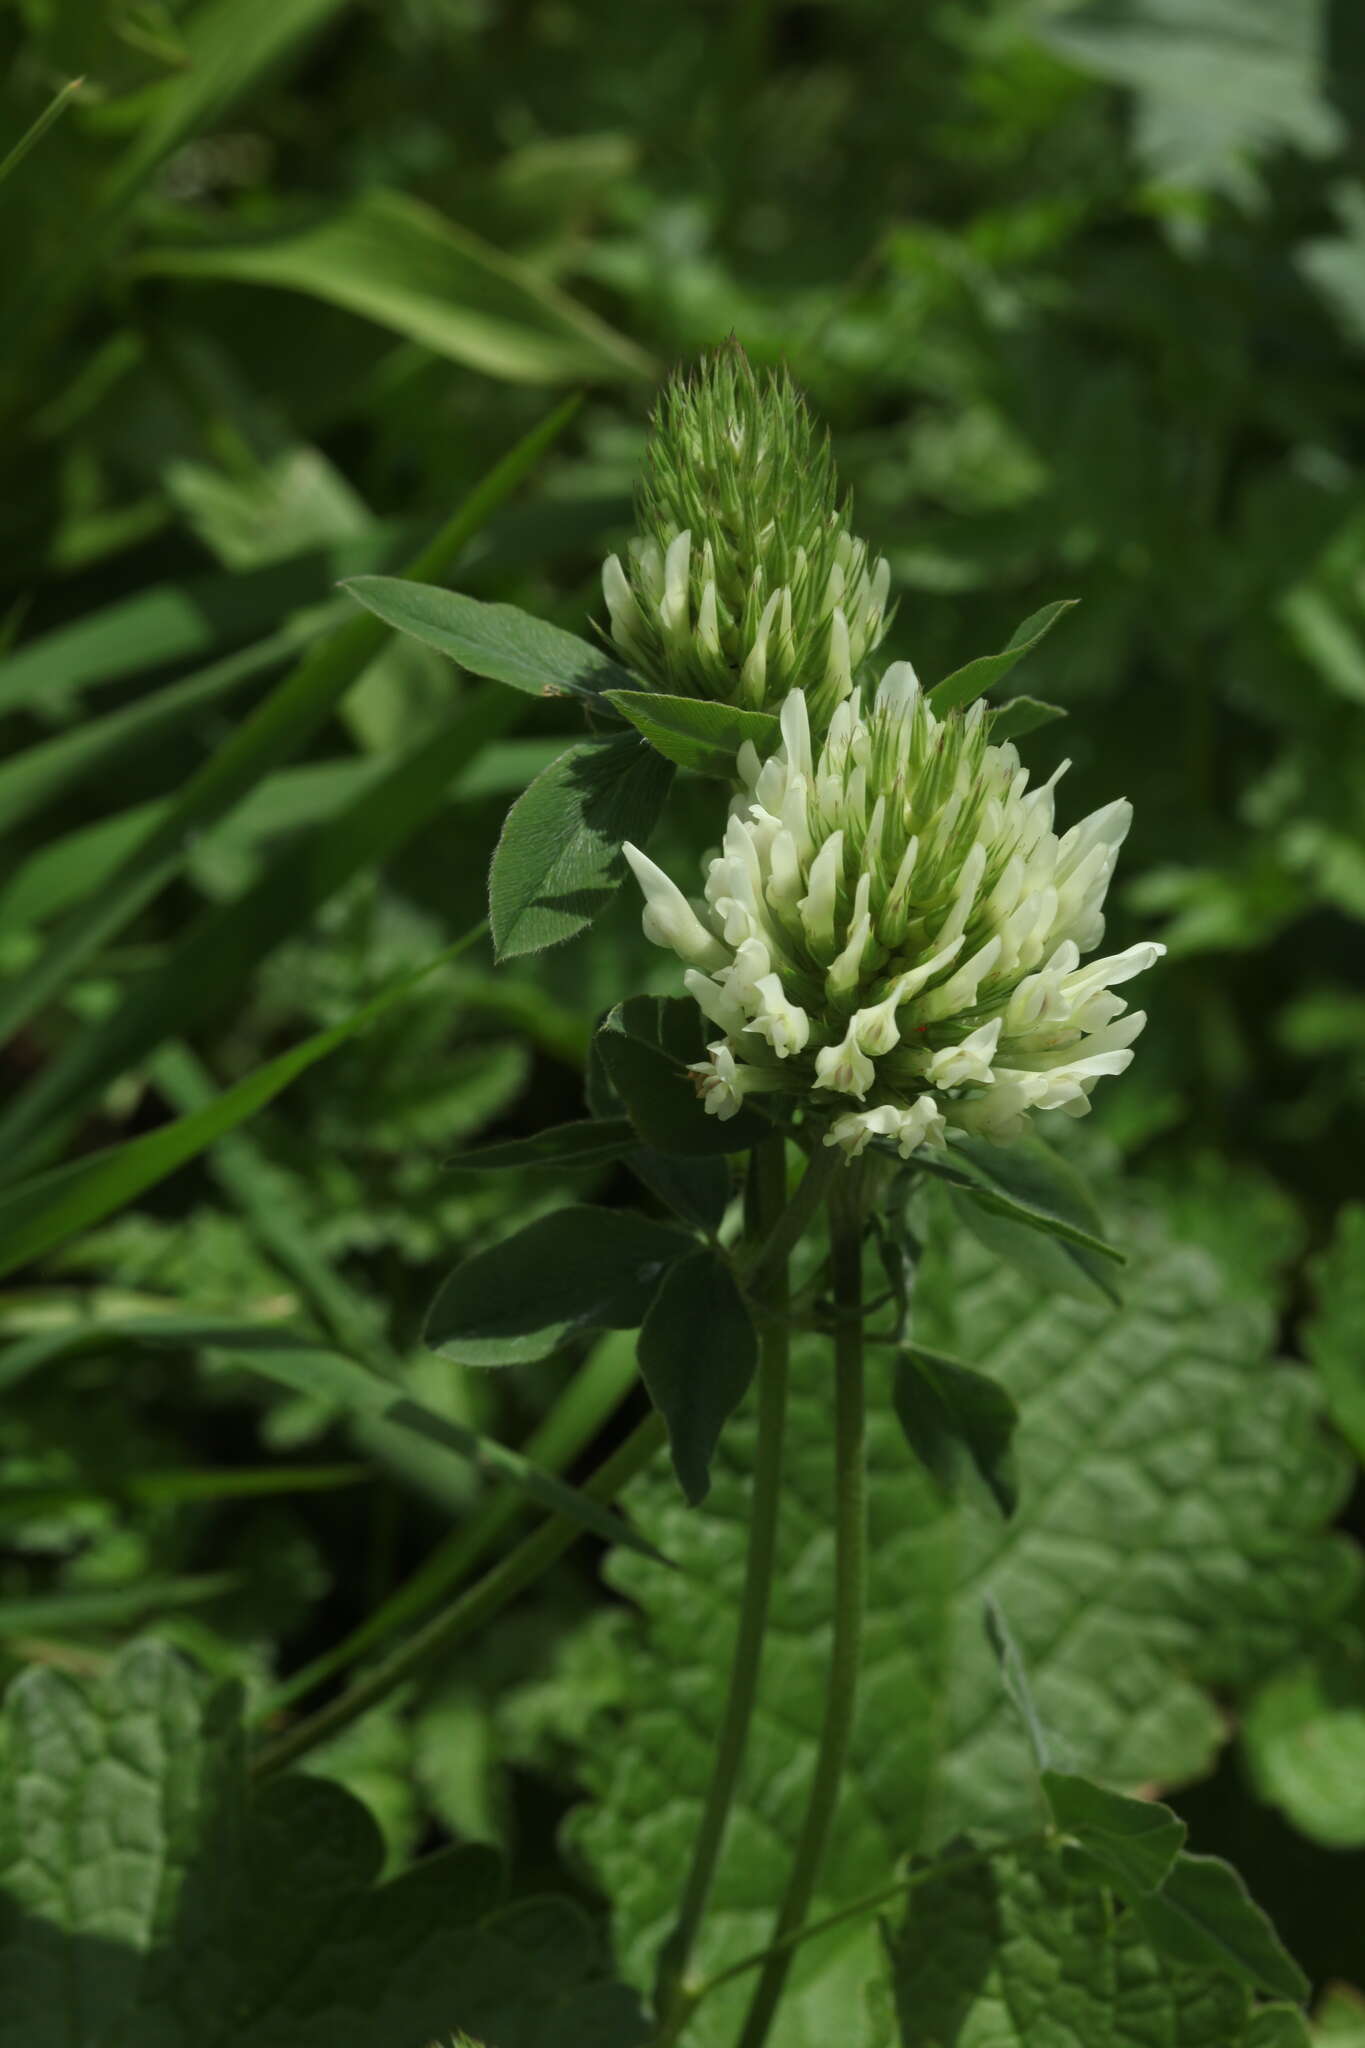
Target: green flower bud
<point>893,931</point>
<point>744,581</point>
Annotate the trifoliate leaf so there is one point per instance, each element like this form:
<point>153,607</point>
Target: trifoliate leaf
<point>1001,1952</point>
<point>697,1354</point>
<point>146,1901</point>
<point>1173,1484</point>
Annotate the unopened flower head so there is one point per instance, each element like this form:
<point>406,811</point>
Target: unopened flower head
<point>744,581</point>
<point>894,931</point>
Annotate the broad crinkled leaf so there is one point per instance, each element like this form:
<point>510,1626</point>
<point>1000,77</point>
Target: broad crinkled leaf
<point>1217,82</point>
<point>1173,1481</point>
<point>1003,1953</point>
<point>147,1902</point>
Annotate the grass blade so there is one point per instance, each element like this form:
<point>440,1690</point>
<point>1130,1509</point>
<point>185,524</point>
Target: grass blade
<point>55,107</point>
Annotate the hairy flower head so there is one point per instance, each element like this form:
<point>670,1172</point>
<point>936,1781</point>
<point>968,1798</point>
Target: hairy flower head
<point>894,931</point>
<point>744,580</point>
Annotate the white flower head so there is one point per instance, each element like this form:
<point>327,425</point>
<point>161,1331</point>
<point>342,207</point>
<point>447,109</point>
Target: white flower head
<point>894,920</point>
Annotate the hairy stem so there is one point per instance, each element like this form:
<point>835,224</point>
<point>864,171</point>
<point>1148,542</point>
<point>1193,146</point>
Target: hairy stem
<point>673,1998</point>
<point>850,1540</point>
<point>519,1569</point>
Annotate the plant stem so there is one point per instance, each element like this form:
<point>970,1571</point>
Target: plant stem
<point>479,1603</point>
<point>786,1229</point>
<point>850,1516</point>
<point>672,1998</point>
<point>888,1894</point>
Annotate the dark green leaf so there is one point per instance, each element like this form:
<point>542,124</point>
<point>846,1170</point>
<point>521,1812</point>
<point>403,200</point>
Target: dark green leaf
<point>1022,715</point>
<point>579,1269</point>
<point>696,732</point>
<point>593,1142</point>
<point>697,1353</point>
<point>1204,1915</point>
<point>959,1423</point>
<point>966,684</point>
<point>1134,1841</point>
<point>494,640</point>
<point>559,858</point>
<point>645,1048</point>
<point>696,1188</point>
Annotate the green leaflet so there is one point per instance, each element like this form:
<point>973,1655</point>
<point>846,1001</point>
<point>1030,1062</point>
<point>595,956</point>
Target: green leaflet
<point>1138,1569</point>
<point>966,684</point>
<point>643,1051</point>
<point>558,862</point>
<point>959,1423</point>
<point>494,640</point>
<point>991,1952</point>
<point>577,1269</point>
<point>696,732</point>
<point>697,1352</point>
<point>146,1902</point>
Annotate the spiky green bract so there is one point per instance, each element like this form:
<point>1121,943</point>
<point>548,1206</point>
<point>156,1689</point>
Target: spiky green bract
<point>893,931</point>
<point>744,581</point>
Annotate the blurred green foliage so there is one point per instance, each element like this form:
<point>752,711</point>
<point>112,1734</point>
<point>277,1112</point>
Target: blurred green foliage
<point>1081,292</point>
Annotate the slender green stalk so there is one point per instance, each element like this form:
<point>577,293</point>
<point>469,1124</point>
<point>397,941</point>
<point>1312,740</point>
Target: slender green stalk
<point>672,1998</point>
<point>788,1228</point>
<point>55,106</point>
<point>850,1537</point>
<point>886,1895</point>
<point>519,1569</point>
